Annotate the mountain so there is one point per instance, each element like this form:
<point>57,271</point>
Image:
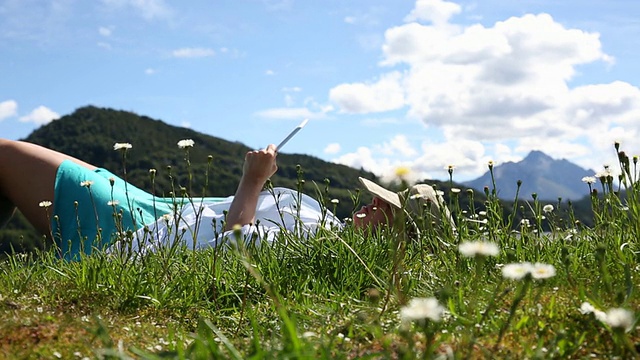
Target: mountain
<point>549,178</point>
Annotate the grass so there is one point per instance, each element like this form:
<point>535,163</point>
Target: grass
<point>340,294</point>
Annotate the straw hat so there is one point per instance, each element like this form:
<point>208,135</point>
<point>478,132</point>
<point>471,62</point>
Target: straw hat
<point>413,200</point>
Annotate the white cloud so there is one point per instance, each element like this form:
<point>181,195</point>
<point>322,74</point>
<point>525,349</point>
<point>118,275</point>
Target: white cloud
<point>363,158</point>
<point>384,95</point>
<point>398,145</point>
<point>290,113</point>
<point>8,108</point>
<point>104,31</point>
<point>40,116</point>
<point>148,9</point>
<point>436,11</point>
<point>193,52</point>
<point>269,72</point>
<point>289,100</point>
<point>506,83</point>
<point>469,158</point>
<point>383,167</point>
<point>150,71</point>
<point>332,148</point>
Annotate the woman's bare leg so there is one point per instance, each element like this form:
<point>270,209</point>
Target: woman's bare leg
<point>27,177</point>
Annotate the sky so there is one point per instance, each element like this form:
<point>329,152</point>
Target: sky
<point>385,84</point>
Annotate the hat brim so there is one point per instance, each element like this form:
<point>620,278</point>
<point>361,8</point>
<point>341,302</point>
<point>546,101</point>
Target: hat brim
<point>384,194</point>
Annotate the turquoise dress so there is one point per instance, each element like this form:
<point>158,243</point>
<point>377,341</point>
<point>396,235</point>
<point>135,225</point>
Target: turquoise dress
<point>92,208</point>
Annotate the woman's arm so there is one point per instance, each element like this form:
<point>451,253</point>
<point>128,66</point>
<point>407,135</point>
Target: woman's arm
<point>259,165</point>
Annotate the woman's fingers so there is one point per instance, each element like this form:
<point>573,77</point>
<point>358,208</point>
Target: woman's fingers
<point>261,164</point>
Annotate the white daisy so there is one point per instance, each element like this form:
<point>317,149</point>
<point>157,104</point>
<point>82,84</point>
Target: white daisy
<point>482,248</point>
<point>543,271</point>
<point>620,318</point>
<point>122,146</point>
<point>516,271</point>
<point>421,309</point>
<point>186,143</point>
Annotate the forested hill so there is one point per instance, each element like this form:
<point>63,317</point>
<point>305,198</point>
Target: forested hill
<point>89,134</point>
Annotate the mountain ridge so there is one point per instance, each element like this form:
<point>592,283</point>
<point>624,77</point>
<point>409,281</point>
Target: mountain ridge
<point>539,173</point>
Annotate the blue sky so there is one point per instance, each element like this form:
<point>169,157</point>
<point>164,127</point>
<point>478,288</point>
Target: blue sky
<point>421,84</point>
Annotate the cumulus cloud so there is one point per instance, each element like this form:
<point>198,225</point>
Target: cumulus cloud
<point>8,108</point>
<point>40,116</point>
<point>436,11</point>
<point>148,9</point>
<point>510,82</point>
<point>383,95</point>
<point>193,52</point>
<point>398,145</point>
<point>332,148</point>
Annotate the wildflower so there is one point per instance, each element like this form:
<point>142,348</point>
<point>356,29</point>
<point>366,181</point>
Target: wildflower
<point>402,171</point>
<point>44,204</point>
<point>619,318</point>
<point>516,271</point>
<point>543,271</point>
<point>113,202</point>
<point>152,171</point>
<point>450,169</point>
<point>360,215</point>
<point>605,174</point>
<point>490,164</point>
<point>186,143</point>
<point>421,309</point>
<point>86,183</point>
<point>122,146</point>
<point>482,248</point>
<point>547,208</point>
<point>587,308</point>
<point>455,190</point>
<point>589,179</point>
<point>335,201</point>
<point>525,222</point>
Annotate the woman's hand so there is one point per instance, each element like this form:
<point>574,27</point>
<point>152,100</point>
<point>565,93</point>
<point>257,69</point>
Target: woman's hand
<point>258,167</point>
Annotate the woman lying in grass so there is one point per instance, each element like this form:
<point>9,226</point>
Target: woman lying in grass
<point>83,207</point>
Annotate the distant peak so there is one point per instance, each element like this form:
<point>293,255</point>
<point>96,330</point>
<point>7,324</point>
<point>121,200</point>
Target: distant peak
<point>537,155</point>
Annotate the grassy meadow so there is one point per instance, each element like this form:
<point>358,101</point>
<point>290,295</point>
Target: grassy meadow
<point>544,287</point>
